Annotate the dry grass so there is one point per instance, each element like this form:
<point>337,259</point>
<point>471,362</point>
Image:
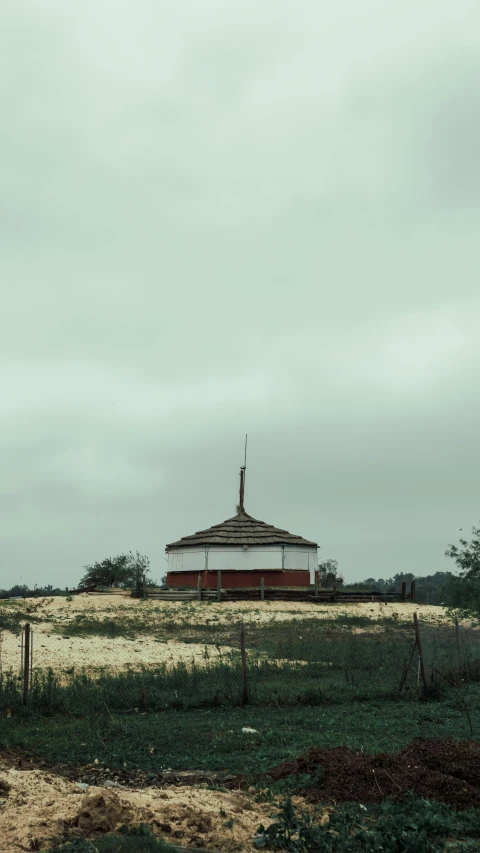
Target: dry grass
<point>116,631</point>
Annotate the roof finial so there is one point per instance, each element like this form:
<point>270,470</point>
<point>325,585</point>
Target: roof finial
<point>241,507</point>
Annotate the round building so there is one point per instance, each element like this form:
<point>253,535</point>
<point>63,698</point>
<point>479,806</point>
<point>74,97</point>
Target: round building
<point>244,550</point>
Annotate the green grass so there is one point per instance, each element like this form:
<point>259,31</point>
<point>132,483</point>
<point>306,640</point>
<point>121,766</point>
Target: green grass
<point>331,647</point>
<point>218,627</point>
<point>289,664</point>
<point>13,618</point>
<point>136,840</point>
<point>413,826</point>
<point>213,683</point>
<point>212,739</point>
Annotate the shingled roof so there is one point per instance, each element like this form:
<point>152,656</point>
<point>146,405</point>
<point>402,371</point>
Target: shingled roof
<point>242,529</point>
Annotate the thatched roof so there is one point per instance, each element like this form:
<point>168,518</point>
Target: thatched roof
<point>242,529</point>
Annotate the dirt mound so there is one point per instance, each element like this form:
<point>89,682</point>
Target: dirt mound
<point>102,812</point>
<point>37,805</point>
<point>438,769</point>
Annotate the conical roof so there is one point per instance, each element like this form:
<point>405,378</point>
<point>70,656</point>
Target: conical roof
<point>242,529</point>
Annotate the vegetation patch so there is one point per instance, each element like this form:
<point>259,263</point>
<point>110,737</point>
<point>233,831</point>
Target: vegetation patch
<point>414,825</point>
<point>136,840</point>
<point>147,746</point>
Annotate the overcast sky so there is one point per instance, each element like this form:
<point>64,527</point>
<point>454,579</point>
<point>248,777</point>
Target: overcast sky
<point>225,218</point>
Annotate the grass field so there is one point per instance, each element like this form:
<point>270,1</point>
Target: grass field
<point>212,739</point>
<point>135,691</point>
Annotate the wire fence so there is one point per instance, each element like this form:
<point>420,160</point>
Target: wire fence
<point>272,663</point>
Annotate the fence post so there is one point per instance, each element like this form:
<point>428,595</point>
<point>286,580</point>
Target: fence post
<point>199,588</point>
<point>262,589</point>
<point>420,655</point>
<point>457,638</point>
<point>144,586</point>
<point>26,663</point>
<point>219,586</point>
<point>404,590</point>
<point>244,666</point>
<point>412,591</point>
<point>316,585</point>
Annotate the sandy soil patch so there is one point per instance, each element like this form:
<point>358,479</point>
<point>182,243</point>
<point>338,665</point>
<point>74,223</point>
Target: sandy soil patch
<point>61,653</point>
<point>38,806</point>
<point>60,610</point>
<point>52,649</point>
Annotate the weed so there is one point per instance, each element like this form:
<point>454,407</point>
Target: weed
<point>414,825</point>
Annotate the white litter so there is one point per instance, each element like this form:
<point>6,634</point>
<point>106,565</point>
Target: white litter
<point>248,731</point>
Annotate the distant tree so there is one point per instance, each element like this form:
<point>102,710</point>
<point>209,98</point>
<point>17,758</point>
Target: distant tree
<point>18,590</point>
<point>403,577</point>
<point>328,573</point>
<point>462,592</point>
<point>430,588</point>
<point>124,570</point>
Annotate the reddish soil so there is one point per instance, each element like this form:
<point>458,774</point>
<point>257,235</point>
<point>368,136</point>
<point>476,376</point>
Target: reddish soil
<point>438,769</point>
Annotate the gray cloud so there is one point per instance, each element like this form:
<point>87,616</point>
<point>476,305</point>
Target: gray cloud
<point>216,221</point>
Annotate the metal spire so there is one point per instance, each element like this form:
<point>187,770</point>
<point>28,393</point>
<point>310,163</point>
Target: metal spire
<point>241,507</point>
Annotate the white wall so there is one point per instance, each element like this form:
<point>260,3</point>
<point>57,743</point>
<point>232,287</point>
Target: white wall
<point>237,558</point>
<point>301,558</point>
<point>186,560</point>
<point>257,557</point>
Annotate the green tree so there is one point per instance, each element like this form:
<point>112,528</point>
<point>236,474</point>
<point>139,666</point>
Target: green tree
<point>462,592</point>
<point>124,570</point>
<point>328,572</point>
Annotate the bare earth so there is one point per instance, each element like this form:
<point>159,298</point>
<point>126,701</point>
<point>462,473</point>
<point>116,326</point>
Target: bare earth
<point>51,649</point>
<point>40,806</point>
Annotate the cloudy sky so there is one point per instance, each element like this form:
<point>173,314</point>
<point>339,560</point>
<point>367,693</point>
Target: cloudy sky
<point>226,218</point>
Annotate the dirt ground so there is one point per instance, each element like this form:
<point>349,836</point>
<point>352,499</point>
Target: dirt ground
<point>37,806</point>
<point>433,768</point>
<point>52,649</point>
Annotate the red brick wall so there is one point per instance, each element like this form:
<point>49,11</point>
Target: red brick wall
<point>239,580</point>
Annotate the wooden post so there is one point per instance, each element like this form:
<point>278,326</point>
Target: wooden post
<point>459,652</point>
<point>420,655</point>
<point>144,586</point>
<point>412,590</point>
<point>21,654</point>
<point>199,588</point>
<point>243,654</point>
<point>26,663</point>
<point>404,590</point>
<point>316,585</point>
<point>219,586</point>
<point>262,589</point>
